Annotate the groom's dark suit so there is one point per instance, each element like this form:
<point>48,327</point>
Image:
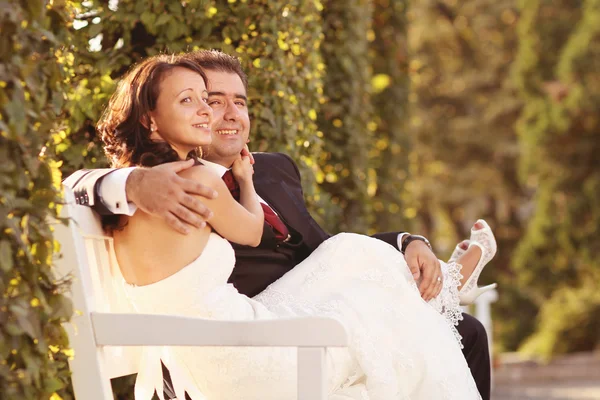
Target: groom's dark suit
<point>277,181</point>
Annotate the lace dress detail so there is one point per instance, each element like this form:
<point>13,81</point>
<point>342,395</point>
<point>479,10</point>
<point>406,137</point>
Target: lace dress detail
<point>447,302</point>
<point>400,346</point>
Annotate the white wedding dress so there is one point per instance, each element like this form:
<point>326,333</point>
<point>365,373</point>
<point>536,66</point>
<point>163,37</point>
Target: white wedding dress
<point>401,348</point>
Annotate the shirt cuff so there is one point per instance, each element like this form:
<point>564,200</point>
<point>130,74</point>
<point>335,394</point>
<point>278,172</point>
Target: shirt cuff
<point>112,192</point>
<point>400,238</point>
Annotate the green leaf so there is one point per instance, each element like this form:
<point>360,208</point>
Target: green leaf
<point>206,30</point>
<point>141,6</point>
<point>13,329</point>
<point>172,30</point>
<point>148,18</point>
<point>51,384</point>
<point>6,256</point>
<point>62,307</point>
<point>94,29</point>
<point>163,19</point>
<point>174,7</point>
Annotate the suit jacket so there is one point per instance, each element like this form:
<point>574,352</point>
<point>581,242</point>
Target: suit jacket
<point>277,181</point>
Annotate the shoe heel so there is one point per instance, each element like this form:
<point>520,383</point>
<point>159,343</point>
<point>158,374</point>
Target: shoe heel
<point>470,297</point>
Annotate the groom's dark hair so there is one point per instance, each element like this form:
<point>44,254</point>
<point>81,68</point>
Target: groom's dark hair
<point>215,60</point>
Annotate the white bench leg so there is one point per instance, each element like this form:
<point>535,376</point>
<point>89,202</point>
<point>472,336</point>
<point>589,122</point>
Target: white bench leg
<point>312,373</point>
<point>483,312</point>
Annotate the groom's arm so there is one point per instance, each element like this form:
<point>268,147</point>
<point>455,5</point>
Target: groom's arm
<point>391,238</point>
<point>158,191</point>
<point>102,189</point>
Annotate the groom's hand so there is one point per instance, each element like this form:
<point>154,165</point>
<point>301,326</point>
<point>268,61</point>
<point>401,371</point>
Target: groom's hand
<point>161,192</point>
<point>424,264</point>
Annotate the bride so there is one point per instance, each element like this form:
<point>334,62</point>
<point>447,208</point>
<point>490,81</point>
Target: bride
<point>401,347</point>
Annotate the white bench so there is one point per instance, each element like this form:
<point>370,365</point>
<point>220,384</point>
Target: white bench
<point>105,333</point>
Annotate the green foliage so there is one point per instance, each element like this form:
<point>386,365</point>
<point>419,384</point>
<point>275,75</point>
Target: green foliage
<point>390,144</point>
<point>34,66</point>
<point>568,321</point>
<point>462,114</point>
<point>559,256</point>
<point>347,113</point>
<point>364,164</point>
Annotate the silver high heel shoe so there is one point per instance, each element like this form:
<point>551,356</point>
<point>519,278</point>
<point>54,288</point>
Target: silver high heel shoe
<point>485,240</point>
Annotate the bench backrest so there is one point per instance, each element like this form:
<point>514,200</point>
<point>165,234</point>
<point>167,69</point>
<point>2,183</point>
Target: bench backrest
<point>96,287</point>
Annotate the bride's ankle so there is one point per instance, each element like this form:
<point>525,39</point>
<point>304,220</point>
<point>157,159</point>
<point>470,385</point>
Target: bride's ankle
<point>471,257</point>
<point>469,261</point>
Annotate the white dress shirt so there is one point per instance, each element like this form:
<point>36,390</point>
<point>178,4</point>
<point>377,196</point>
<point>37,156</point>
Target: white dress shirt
<point>112,192</point>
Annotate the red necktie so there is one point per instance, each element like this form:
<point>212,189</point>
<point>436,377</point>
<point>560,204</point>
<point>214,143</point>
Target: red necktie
<point>281,231</point>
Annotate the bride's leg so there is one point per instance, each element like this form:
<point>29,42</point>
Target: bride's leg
<point>468,261</point>
<point>459,250</point>
<point>482,249</point>
<point>470,258</point>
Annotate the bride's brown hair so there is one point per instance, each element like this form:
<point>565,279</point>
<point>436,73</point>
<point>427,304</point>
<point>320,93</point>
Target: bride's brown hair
<point>125,124</point>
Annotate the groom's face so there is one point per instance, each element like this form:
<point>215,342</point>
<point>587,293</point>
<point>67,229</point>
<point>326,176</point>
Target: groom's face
<point>231,123</point>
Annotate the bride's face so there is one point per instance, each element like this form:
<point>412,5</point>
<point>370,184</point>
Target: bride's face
<point>182,116</point>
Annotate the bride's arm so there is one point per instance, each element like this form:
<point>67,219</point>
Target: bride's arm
<point>242,171</point>
<point>242,222</point>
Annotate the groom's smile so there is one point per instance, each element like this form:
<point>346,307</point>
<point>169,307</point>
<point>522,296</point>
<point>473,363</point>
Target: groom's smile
<point>227,132</point>
<point>231,127</point>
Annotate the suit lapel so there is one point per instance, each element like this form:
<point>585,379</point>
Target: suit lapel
<point>283,192</point>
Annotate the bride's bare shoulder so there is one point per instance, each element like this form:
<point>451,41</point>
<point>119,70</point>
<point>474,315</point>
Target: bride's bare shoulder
<point>201,173</point>
<point>207,177</point>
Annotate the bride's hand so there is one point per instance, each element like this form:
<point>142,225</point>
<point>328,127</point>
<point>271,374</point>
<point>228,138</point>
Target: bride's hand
<point>246,152</point>
<point>242,169</point>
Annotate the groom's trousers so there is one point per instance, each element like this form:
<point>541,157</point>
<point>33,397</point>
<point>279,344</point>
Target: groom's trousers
<point>476,352</point>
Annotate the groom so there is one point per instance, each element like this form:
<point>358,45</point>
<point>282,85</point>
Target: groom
<point>290,233</point>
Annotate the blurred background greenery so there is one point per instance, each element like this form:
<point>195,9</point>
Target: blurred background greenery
<point>418,115</point>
